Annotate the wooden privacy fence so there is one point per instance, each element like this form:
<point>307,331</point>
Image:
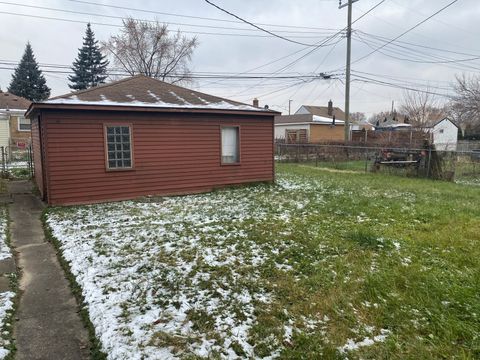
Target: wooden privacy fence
<point>413,138</point>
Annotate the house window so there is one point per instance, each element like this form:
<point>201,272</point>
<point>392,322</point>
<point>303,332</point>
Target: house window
<point>230,145</point>
<point>441,131</point>
<point>119,147</point>
<point>23,124</point>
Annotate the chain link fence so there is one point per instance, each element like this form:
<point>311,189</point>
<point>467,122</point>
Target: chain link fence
<point>16,162</point>
<point>458,166</point>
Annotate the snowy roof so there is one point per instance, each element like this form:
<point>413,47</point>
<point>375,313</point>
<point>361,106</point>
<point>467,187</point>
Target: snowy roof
<point>325,120</point>
<point>12,102</point>
<point>143,91</point>
<point>397,125</point>
<point>306,118</point>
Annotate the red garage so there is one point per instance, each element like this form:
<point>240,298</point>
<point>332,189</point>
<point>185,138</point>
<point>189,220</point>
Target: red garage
<point>141,136</point>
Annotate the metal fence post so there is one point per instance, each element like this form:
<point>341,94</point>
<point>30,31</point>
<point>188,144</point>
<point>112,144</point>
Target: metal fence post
<point>429,162</point>
<point>30,161</point>
<point>366,160</point>
<point>3,161</point>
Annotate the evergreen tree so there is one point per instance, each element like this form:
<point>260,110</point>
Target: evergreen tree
<point>28,80</point>
<point>90,67</point>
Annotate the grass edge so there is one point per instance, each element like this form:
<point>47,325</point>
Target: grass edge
<point>96,352</point>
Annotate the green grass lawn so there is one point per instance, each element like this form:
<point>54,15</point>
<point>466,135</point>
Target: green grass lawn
<point>321,265</point>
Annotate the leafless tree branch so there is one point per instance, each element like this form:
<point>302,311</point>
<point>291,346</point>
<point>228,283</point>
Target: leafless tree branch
<point>148,48</point>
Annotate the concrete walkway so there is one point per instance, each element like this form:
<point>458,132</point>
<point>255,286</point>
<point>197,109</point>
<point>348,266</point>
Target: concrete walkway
<point>48,325</point>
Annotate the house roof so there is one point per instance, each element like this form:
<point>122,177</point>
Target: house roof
<point>323,111</point>
<point>306,118</point>
<point>12,102</point>
<point>142,92</point>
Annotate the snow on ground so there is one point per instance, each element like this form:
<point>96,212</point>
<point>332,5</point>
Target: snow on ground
<point>6,306</point>
<point>17,165</point>
<point>179,277</point>
<point>6,298</point>
<point>180,270</point>
<point>351,345</point>
<point>4,249</point>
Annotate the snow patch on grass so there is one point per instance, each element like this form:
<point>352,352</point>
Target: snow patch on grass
<point>351,345</point>
<point>175,276</point>
<point>6,306</point>
<point>4,249</point>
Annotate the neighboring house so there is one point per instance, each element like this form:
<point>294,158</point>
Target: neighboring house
<point>324,111</point>
<point>444,135</point>
<point>14,127</point>
<point>311,124</point>
<point>392,123</point>
<point>361,125</point>
<point>140,136</point>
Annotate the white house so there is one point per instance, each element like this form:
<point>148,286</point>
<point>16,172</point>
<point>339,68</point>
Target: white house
<point>14,128</point>
<point>444,135</point>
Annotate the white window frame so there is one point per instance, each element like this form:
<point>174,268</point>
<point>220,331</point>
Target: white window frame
<point>225,149</point>
<point>19,120</point>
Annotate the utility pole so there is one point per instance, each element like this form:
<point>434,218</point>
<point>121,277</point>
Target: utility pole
<point>349,53</point>
<point>289,103</point>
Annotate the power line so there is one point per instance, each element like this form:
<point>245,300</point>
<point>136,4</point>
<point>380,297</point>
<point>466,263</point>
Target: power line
<point>256,26</point>
<point>193,76</point>
<point>120,26</point>
<point>196,17</point>
<point>399,86</point>
<point>378,37</point>
<point>416,56</point>
<point>320,44</point>
<point>406,31</point>
<point>153,21</point>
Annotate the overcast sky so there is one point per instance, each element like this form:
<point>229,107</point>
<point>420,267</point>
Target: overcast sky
<point>428,58</point>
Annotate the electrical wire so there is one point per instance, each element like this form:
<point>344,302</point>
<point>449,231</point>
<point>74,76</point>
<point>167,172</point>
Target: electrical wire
<point>405,32</point>
<point>196,17</point>
<point>257,26</point>
<point>154,21</point>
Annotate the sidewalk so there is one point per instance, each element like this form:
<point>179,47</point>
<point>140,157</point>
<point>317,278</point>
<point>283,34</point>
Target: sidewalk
<point>48,325</point>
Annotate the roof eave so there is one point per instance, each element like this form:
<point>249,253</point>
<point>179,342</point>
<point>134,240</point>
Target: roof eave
<point>38,106</point>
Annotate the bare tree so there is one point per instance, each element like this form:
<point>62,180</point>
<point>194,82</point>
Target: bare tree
<point>148,48</point>
<point>378,118</point>
<point>422,108</point>
<point>465,105</point>
<point>358,117</point>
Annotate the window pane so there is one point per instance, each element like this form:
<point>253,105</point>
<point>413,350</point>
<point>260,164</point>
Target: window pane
<point>118,145</point>
<point>230,146</point>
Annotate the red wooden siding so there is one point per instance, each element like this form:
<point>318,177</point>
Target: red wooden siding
<point>173,154</point>
<point>37,155</point>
